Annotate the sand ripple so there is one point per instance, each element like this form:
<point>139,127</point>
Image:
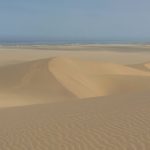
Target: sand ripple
<point>94,124</point>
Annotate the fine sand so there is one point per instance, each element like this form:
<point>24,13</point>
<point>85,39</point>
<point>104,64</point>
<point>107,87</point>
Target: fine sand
<point>75,97</point>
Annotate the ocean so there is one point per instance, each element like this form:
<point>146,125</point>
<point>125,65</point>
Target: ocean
<point>56,41</point>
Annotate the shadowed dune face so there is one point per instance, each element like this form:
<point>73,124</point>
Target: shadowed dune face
<point>63,78</point>
<point>30,83</point>
<point>142,66</point>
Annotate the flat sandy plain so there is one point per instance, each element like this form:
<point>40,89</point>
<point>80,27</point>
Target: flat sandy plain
<point>75,97</point>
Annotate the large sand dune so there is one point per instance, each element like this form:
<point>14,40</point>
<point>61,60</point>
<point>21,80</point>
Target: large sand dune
<point>30,83</point>
<point>80,100</point>
<point>91,79</point>
<point>63,78</point>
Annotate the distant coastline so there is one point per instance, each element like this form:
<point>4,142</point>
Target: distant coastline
<point>68,41</point>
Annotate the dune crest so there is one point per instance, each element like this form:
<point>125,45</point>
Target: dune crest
<point>30,83</point>
<point>64,78</point>
<point>69,73</point>
<point>92,79</point>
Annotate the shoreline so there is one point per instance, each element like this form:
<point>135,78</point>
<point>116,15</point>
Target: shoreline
<point>75,44</point>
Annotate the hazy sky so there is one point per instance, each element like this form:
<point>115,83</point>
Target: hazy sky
<point>75,18</point>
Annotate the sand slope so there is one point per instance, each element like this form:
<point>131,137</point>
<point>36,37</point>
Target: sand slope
<point>91,79</point>
<point>112,123</point>
<point>65,103</point>
<point>30,83</point>
<point>142,66</point>
<point>63,78</point>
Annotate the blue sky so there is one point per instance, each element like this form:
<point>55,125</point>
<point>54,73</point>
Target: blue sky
<point>95,19</point>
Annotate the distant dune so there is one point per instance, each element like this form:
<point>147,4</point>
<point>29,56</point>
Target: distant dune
<point>147,66</point>
<point>142,66</point>
<point>74,99</point>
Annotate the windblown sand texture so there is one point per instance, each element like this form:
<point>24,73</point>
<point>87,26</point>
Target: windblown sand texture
<point>70,98</point>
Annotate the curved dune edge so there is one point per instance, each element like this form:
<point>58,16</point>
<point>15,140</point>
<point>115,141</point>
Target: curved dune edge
<point>30,83</point>
<point>93,79</point>
<point>63,78</point>
<point>143,66</point>
<point>67,72</point>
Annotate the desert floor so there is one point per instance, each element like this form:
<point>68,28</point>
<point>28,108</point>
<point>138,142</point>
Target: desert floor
<point>75,97</point>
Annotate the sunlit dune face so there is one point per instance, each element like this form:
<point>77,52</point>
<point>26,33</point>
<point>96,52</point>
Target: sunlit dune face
<point>93,79</point>
<point>147,66</point>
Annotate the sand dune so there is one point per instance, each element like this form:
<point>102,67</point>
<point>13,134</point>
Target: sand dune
<point>91,79</point>
<point>30,83</point>
<point>74,103</point>
<point>62,78</point>
<point>142,66</point>
<point>147,66</point>
<point>120,54</point>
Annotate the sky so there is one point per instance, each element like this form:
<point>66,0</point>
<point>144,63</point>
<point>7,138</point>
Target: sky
<point>75,19</point>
